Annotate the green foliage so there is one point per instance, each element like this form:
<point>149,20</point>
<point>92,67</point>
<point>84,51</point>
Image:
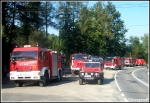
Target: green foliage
<point>97,30</point>
<point>138,49</point>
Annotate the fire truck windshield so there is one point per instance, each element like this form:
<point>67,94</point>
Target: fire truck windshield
<point>91,65</point>
<point>24,55</point>
<point>79,57</point>
<point>108,59</point>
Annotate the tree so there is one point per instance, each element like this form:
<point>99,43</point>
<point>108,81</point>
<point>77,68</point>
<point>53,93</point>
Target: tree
<point>145,46</point>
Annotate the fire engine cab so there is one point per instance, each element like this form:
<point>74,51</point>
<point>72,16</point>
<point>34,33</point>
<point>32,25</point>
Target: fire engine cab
<point>76,61</point>
<point>129,62</point>
<point>114,63</point>
<point>140,62</point>
<point>92,69</point>
<point>32,64</point>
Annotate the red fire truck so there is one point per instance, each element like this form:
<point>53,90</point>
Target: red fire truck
<point>76,61</point>
<point>92,69</point>
<point>113,63</point>
<point>129,62</point>
<point>32,64</point>
<point>140,62</point>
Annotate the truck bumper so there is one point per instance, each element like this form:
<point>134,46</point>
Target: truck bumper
<point>91,76</point>
<point>74,69</point>
<point>33,75</point>
<point>110,67</point>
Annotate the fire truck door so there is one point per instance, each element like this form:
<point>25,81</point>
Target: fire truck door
<point>41,59</point>
<point>45,59</point>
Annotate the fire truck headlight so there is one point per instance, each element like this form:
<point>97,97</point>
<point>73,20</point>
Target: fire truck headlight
<point>82,73</point>
<point>91,73</point>
<point>12,74</point>
<point>34,73</point>
<point>96,74</point>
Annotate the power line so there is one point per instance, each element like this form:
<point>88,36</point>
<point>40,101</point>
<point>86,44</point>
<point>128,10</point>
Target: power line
<point>132,7</point>
<point>137,25</point>
<point>132,4</point>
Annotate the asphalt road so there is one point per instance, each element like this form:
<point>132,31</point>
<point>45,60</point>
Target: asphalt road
<point>129,84</point>
<point>66,90</point>
<point>133,83</point>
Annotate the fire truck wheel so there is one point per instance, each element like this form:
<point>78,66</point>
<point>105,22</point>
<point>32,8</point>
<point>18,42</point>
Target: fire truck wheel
<point>80,82</point>
<point>47,78</point>
<point>18,84</point>
<point>99,81</point>
<point>102,80</point>
<point>60,76</point>
<point>43,82</point>
<point>72,72</point>
<point>121,67</point>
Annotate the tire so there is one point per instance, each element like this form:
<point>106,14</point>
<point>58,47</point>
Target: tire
<point>102,80</point>
<point>99,82</point>
<point>60,76</point>
<point>121,68</point>
<point>18,84</point>
<point>72,72</point>
<point>43,82</point>
<point>80,82</point>
<point>47,79</point>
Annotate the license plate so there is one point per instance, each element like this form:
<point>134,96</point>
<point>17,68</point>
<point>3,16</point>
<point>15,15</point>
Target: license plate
<point>87,76</point>
<point>24,74</point>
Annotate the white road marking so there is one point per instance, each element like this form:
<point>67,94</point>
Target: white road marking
<point>125,100</point>
<point>116,82</point>
<point>139,79</point>
<point>122,94</point>
<point>119,87</point>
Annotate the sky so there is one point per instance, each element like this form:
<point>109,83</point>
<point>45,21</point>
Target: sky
<point>135,15</point>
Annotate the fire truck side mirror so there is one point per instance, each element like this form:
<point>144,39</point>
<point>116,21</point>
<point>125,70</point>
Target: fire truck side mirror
<point>13,61</point>
<point>72,58</point>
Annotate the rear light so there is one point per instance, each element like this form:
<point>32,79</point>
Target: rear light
<point>16,68</point>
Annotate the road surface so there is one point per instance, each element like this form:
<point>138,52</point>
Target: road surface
<point>66,90</point>
<point>129,84</point>
<point>133,84</point>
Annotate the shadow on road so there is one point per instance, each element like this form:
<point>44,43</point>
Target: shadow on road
<point>68,79</point>
<point>6,83</point>
<point>93,82</point>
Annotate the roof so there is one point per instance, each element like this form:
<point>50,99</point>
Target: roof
<point>29,49</point>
